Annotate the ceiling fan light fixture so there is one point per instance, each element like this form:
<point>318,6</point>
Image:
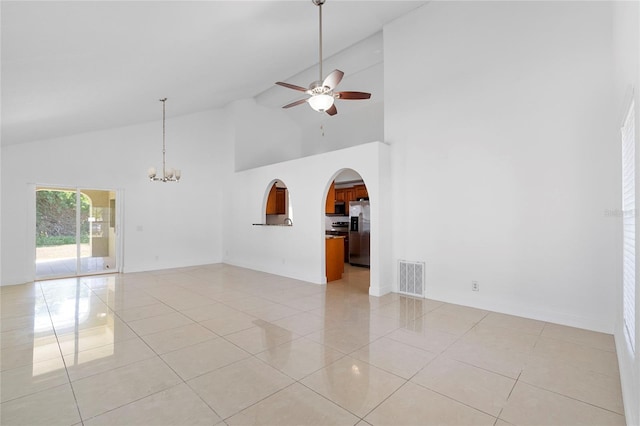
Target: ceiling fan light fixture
<point>321,102</point>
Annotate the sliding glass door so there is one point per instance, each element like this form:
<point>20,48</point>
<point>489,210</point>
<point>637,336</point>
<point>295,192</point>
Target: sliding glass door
<point>75,232</point>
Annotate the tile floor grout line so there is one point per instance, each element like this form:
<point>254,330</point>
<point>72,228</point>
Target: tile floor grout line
<point>257,402</point>
<point>333,402</point>
<point>64,362</point>
<point>159,356</point>
<point>131,402</point>
<point>384,400</point>
<point>249,355</point>
<point>573,398</point>
<point>514,384</point>
<point>202,399</point>
<point>453,399</point>
<point>484,368</point>
<point>348,302</point>
<point>583,345</point>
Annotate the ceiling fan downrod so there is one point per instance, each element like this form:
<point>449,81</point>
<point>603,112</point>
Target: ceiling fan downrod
<point>319,3</point>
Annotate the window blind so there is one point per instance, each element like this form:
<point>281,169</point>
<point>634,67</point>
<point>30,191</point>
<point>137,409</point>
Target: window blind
<point>629,227</point>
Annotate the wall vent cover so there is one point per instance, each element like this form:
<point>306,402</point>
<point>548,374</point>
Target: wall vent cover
<point>411,278</point>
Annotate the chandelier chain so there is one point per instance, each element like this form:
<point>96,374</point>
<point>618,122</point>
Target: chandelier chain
<point>164,148</point>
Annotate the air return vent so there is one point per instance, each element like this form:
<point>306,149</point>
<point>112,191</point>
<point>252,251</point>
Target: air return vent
<point>411,278</point>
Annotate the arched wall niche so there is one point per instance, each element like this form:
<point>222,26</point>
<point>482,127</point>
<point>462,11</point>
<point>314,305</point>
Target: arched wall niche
<point>276,205</point>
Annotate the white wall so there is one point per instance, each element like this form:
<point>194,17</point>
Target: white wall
<point>298,251</point>
<point>502,166</point>
<point>626,49</point>
<point>263,135</point>
<point>267,135</point>
<point>165,225</point>
<point>346,129</point>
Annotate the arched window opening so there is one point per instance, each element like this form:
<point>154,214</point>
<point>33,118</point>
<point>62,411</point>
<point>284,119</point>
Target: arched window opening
<point>277,206</point>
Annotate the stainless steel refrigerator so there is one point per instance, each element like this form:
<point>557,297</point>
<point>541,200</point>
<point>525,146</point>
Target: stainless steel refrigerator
<point>359,233</point>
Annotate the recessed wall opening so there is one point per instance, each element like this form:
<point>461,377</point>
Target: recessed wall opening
<point>277,206</point>
<point>347,228</point>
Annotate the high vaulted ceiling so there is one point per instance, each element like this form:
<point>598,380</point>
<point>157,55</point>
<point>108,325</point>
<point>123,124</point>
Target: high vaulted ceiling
<point>70,67</point>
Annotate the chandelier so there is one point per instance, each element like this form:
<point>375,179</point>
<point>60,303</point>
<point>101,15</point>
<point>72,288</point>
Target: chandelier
<point>168,175</point>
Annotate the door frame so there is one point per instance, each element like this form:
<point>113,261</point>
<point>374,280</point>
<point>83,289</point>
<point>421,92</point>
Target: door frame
<point>324,199</point>
<point>31,227</point>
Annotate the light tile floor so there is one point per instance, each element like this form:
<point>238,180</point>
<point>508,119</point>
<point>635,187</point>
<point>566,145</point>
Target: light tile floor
<point>218,344</point>
<point>50,268</point>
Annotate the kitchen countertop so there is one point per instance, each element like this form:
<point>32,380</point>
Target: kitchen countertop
<point>271,224</point>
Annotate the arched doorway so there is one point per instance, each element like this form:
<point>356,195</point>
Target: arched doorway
<point>347,218</point>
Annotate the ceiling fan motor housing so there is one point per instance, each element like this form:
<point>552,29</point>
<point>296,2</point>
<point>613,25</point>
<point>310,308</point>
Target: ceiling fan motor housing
<point>317,88</point>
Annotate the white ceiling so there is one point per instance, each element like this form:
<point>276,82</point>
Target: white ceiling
<point>70,67</point>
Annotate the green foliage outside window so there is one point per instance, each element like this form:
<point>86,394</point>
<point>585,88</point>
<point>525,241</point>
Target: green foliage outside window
<point>56,218</point>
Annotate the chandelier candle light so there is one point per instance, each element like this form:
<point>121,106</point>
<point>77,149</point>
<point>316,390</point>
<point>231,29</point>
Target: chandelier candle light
<point>168,175</point>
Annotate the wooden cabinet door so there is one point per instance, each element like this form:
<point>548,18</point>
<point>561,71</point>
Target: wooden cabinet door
<point>281,200</point>
<point>361,191</point>
<point>349,195</point>
<point>330,207</point>
<point>271,200</point>
<point>277,200</point>
<point>334,258</point>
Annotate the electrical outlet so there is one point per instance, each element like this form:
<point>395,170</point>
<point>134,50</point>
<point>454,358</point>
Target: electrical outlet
<point>475,286</point>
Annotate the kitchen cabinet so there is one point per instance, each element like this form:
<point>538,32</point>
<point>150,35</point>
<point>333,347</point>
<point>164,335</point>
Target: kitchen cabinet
<point>352,193</point>
<point>345,194</point>
<point>334,257</point>
<point>330,207</point>
<point>345,236</point>
<point>360,191</point>
<point>277,200</point>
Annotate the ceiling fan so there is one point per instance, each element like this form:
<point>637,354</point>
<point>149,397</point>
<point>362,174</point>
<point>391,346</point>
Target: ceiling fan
<point>322,94</point>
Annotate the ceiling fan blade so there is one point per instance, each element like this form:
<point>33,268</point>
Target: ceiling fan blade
<point>333,110</point>
<point>296,103</point>
<point>353,95</point>
<point>333,79</point>
<point>291,86</point>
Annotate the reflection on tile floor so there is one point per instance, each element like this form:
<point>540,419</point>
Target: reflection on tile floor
<point>218,344</point>
<point>52,268</point>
